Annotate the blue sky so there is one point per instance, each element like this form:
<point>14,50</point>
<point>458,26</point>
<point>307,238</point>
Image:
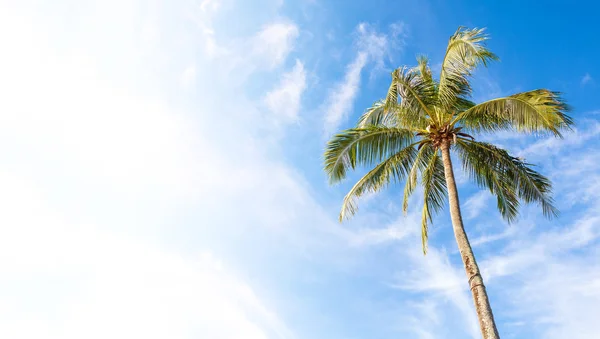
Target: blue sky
<point>161,173</point>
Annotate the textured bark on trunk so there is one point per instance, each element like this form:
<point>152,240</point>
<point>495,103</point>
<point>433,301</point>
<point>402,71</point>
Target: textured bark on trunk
<point>482,304</point>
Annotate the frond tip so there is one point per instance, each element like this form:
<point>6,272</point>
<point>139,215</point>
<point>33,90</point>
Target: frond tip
<point>362,146</point>
<point>466,51</point>
<point>393,169</point>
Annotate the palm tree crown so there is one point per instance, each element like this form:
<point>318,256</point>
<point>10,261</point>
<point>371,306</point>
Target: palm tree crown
<point>403,134</point>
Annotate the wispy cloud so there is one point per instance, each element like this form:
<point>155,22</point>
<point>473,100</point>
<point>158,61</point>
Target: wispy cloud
<point>284,100</point>
<point>487,238</point>
<point>371,46</point>
<point>105,159</point>
<point>203,16</point>
<point>438,281</point>
<point>188,77</point>
<point>554,264</point>
<point>341,98</point>
<point>551,144</point>
<point>586,79</point>
<point>475,204</point>
<point>210,5</point>
<point>401,229</point>
<point>274,42</point>
<point>557,289</point>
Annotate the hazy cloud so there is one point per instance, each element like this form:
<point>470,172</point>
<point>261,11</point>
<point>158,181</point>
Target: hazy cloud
<point>371,47</point>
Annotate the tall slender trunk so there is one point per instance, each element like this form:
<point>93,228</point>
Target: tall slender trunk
<point>482,304</point>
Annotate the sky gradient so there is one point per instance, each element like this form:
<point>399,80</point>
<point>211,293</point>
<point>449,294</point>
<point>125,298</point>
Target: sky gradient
<point>161,173</point>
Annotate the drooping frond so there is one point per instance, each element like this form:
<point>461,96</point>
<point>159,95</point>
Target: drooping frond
<point>434,192</point>
<point>393,169</point>
<point>419,165</point>
<point>363,146</point>
<point>392,115</point>
<point>507,177</point>
<point>411,91</point>
<point>488,174</point>
<point>466,50</point>
<point>538,111</point>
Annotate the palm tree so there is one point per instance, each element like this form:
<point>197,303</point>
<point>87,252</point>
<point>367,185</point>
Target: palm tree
<point>411,133</point>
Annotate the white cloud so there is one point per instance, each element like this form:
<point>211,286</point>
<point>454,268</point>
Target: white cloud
<point>203,15</point>
<point>274,42</point>
<point>210,5</point>
<point>439,281</point>
<point>188,77</point>
<point>341,99</point>
<point>476,203</point>
<point>98,169</point>
<point>236,58</point>
<point>438,303</point>
<point>548,273</point>
<point>284,100</point>
<point>487,238</point>
<point>377,236</point>
<point>401,229</point>
<point>586,79</point>
<point>556,286</point>
<point>87,281</point>
<point>371,46</point>
<point>380,46</point>
<point>591,129</point>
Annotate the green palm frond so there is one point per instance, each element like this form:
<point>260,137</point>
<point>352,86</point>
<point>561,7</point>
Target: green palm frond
<point>363,146</point>
<point>392,115</point>
<point>434,193</point>
<point>419,165</point>
<point>488,174</point>
<point>378,115</point>
<point>463,104</point>
<point>507,177</point>
<point>466,50</point>
<point>411,91</point>
<point>393,169</point>
<point>534,111</point>
<point>423,70</point>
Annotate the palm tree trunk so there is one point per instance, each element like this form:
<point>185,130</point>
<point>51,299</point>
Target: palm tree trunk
<point>482,304</point>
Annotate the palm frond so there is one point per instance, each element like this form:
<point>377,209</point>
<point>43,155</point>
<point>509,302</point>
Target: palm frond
<point>466,50</point>
<point>392,115</point>
<point>393,169</point>
<point>423,69</point>
<point>463,104</point>
<point>538,111</point>
<point>378,115</point>
<point>434,193</point>
<point>419,165</point>
<point>363,146</point>
<point>488,174</point>
<point>411,91</point>
<point>507,177</point>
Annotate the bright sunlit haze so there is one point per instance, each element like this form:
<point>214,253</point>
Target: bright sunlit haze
<point>162,173</point>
